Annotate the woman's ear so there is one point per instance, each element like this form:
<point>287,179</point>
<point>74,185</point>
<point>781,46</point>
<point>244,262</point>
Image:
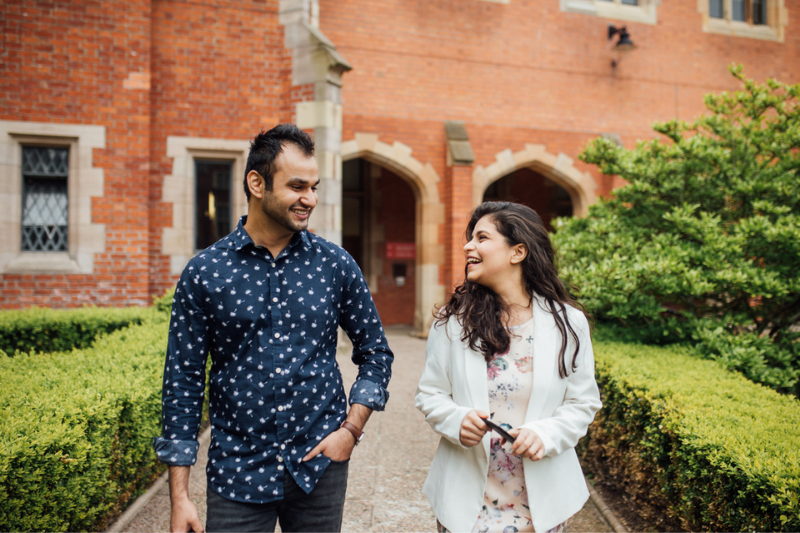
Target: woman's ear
<point>255,182</point>
<point>518,253</point>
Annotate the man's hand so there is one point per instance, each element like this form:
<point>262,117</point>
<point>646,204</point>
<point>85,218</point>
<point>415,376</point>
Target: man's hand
<point>337,446</point>
<point>185,518</point>
<point>184,513</point>
<point>473,428</point>
<point>527,444</point>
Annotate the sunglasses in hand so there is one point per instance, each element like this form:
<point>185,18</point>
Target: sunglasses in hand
<point>496,427</point>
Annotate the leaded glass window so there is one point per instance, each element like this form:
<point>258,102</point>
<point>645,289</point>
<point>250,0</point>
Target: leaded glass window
<point>45,172</point>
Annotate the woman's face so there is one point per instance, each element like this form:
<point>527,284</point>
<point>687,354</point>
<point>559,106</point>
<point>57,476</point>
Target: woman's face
<point>489,257</point>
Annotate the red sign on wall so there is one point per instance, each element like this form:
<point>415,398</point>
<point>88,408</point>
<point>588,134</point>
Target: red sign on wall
<point>401,250</point>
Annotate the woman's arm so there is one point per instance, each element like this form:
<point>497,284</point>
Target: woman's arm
<point>570,421</point>
<point>435,390</point>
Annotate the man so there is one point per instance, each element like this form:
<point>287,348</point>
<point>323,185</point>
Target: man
<point>266,303</point>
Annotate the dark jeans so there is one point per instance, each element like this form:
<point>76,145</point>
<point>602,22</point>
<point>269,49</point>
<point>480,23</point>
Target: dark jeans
<point>318,512</point>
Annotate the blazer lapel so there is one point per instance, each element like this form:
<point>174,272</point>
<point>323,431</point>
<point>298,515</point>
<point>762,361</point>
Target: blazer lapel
<point>545,354</point>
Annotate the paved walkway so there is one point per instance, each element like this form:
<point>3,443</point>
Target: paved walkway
<point>387,469</point>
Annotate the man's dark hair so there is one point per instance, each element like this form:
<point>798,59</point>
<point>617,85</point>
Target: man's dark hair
<point>265,149</point>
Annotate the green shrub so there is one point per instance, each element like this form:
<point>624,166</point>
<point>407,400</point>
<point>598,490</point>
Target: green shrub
<point>76,430</point>
<point>685,437</point>
<point>59,330</point>
<point>703,243</point>
<point>163,304</point>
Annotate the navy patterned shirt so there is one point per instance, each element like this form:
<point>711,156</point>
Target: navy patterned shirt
<point>271,327</point>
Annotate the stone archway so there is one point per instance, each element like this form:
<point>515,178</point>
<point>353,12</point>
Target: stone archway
<point>423,180</point>
<point>581,186</point>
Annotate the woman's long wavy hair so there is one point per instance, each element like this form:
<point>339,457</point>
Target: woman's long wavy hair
<point>482,314</point>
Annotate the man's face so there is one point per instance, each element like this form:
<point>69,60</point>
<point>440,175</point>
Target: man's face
<point>294,189</point>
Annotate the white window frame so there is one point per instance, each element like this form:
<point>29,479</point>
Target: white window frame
<point>178,242</point>
<point>773,30</point>
<point>645,13</point>
<point>85,182</point>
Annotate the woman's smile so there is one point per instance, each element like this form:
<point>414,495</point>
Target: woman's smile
<point>488,255</point>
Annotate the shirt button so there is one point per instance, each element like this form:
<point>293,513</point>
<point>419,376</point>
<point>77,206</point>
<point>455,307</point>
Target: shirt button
<point>280,408</point>
<point>273,265</point>
<point>283,446</point>
<point>280,459</point>
<point>274,299</point>
<point>277,370</point>
<point>277,335</point>
<point>280,467</point>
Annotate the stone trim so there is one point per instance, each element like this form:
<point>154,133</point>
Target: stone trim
<point>84,183</point>
<point>646,12</point>
<point>315,60</point>
<point>178,189</point>
<point>774,30</point>
<point>581,186</point>
<point>430,216</point>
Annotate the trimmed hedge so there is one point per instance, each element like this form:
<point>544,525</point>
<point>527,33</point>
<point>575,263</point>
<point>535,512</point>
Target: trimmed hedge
<point>76,430</point>
<point>685,437</point>
<point>59,330</point>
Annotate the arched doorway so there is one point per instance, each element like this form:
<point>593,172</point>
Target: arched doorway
<point>558,169</point>
<point>379,231</point>
<point>528,187</point>
<point>428,216</point>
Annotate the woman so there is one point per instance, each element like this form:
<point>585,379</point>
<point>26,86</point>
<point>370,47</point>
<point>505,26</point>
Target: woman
<point>509,345</point>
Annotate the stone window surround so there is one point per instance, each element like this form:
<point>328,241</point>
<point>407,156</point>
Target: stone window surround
<point>85,182</point>
<point>646,12</point>
<point>178,241</point>
<point>777,19</point>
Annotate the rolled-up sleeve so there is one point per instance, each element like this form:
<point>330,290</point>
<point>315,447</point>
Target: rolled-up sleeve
<point>184,373</point>
<point>359,319</point>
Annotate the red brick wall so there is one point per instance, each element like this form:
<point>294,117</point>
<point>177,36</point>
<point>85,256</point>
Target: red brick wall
<point>516,73</point>
<point>524,72</point>
<point>527,64</point>
<point>68,62</point>
<point>214,69</point>
<point>220,70</point>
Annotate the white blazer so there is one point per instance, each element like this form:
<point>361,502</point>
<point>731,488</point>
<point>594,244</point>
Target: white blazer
<point>454,382</point>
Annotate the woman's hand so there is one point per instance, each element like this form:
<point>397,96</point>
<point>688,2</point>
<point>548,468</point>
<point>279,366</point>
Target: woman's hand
<point>473,428</point>
<point>526,444</point>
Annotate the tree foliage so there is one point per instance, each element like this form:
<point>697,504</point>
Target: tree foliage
<point>703,244</point>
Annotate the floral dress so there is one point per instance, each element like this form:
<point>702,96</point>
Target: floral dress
<point>510,378</point>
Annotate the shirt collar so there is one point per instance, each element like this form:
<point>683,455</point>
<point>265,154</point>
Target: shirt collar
<point>242,239</point>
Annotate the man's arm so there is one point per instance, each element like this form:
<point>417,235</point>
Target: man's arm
<point>371,353</point>
<point>359,319</point>
<point>184,513</point>
<point>182,395</point>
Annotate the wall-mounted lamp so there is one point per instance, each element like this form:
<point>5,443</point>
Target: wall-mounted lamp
<point>624,44</point>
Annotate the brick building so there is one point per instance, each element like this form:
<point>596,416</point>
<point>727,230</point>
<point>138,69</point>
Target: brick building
<point>124,126</point>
